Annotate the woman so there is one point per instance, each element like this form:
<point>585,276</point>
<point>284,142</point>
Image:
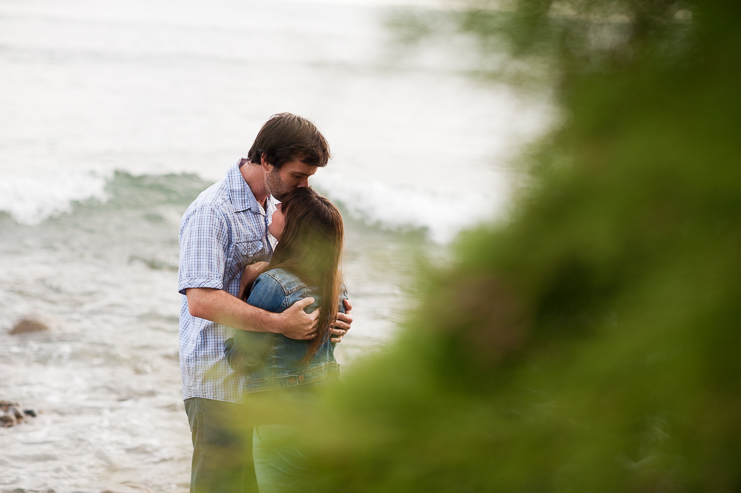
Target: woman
<point>306,262</point>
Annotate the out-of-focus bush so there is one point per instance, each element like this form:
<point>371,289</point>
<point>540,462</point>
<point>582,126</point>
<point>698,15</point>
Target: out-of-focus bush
<point>591,343</point>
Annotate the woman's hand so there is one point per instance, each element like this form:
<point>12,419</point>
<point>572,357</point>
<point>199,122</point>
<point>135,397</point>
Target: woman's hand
<point>342,324</point>
<point>250,273</point>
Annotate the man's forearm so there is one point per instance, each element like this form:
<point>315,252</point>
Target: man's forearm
<point>222,308</point>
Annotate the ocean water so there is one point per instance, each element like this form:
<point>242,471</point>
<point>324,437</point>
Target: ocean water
<point>115,114</point>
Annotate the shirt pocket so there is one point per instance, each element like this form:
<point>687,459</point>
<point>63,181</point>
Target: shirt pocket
<point>245,253</point>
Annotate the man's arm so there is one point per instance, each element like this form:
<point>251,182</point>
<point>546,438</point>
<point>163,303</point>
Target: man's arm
<point>222,308</point>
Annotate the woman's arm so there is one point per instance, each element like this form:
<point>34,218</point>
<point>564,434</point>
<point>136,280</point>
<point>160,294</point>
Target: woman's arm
<point>250,273</point>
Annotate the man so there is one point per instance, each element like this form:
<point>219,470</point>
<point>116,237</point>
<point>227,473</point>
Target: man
<point>223,231</point>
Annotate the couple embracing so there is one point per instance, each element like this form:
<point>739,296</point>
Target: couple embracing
<point>263,306</point>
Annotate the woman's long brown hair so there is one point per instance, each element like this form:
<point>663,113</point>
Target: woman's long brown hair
<point>310,247</point>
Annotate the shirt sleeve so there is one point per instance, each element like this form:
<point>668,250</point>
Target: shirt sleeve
<point>204,243</point>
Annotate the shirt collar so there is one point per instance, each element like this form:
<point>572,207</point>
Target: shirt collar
<point>242,197</point>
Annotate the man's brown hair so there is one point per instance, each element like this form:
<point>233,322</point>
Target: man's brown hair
<point>285,137</point>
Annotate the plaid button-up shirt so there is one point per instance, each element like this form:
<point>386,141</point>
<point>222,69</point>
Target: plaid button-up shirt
<point>222,231</point>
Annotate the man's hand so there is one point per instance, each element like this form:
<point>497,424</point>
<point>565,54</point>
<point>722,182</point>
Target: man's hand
<point>295,323</point>
<point>342,324</point>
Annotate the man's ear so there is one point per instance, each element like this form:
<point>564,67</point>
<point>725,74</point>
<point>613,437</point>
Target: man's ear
<point>266,166</point>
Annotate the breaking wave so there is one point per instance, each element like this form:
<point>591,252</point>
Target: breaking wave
<point>30,200</point>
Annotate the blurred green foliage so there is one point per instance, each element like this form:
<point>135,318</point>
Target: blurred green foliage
<point>591,343</point>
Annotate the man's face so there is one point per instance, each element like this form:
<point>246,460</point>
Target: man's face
<point>293,174</point>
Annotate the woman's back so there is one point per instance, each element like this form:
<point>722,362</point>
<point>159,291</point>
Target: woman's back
<point>310,236</point>
<point>267,361</point>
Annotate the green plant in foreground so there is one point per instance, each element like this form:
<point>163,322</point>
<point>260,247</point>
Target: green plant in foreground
<point>590,343</point>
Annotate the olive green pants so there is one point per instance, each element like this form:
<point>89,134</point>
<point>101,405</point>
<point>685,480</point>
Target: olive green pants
<point>222,447</point>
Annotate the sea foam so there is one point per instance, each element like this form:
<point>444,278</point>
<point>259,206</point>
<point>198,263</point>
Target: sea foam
<point>31,199</point>
<point>401,207</point>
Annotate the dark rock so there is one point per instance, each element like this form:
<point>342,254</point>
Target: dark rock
<point>15,412</point>
<point>31,324</point>
<point>7,420</point>
<point>11,414</point>
<point>5,405</point>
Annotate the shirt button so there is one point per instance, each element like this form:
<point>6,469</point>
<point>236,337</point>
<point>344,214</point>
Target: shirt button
<point>301,378</point>
<point>292,380</point>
